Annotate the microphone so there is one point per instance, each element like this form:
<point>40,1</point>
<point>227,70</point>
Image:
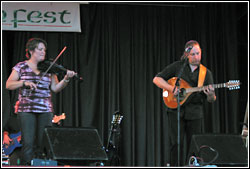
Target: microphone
<point>188,49</point>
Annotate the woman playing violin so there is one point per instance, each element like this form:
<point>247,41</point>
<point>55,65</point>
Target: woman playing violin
<point>35,110</point>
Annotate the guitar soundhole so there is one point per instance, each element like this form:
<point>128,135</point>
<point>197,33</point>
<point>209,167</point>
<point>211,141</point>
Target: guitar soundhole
<point>182,94</point>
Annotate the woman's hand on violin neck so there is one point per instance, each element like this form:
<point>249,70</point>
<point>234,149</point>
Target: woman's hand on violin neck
<point>69,74</point>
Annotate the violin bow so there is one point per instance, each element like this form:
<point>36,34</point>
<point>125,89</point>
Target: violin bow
<point>51,65</point>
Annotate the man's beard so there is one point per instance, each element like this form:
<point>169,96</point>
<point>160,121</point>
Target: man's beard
<point>195,64</point>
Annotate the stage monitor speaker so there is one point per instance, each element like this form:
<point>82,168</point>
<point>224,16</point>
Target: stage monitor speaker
<point>219,149</point>
<point>73,144</point>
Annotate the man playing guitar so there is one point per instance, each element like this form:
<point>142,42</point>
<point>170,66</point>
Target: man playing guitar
<point>191,114</point>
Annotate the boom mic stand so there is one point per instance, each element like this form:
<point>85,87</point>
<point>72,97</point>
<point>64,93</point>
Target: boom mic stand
<point>178,105</point>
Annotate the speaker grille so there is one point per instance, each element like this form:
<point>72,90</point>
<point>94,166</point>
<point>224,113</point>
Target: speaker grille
<point>73,144</point>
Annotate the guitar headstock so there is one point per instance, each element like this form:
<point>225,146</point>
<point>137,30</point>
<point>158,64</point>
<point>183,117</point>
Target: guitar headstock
<point>57,119</point>
<point>233,84</point>
<point>117,118</point>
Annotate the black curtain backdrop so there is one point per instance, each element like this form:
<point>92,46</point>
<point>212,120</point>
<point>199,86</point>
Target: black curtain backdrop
<point>120,50</point>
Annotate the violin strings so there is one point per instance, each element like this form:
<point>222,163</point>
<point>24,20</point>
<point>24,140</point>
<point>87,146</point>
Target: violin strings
<point>51,65</point>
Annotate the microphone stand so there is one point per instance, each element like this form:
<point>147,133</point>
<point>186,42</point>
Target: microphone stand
<point>178,105</point>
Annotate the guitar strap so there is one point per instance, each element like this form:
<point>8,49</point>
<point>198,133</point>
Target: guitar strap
<point>202,75</point>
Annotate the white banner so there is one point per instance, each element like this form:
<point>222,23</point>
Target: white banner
<point>41,16</point>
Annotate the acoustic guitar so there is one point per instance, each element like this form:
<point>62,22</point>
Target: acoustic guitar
<point>186,90</point>
<point>16,137</point>
<point>116,120</point>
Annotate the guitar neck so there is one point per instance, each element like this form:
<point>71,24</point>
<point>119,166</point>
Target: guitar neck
<point>198,89</point>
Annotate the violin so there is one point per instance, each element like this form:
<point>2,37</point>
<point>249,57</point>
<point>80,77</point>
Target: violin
<point>43,66</point>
